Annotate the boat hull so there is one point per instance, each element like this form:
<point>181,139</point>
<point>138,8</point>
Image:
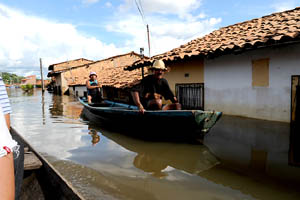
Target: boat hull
<point>185,123</point>
<point>45,182</point>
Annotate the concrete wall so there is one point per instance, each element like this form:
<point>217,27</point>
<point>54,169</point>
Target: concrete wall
<point>79,89</point>
<point>60,81</point>
<point>193,67</point>
<point>228,84</point>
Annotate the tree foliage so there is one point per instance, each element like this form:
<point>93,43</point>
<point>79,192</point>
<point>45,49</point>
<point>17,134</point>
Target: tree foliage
<point>9,78</point>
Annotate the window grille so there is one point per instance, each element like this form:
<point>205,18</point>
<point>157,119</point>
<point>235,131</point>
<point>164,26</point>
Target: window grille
<point>190,95</point>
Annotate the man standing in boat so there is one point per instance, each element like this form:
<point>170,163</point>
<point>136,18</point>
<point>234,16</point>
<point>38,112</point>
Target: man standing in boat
<point>93,88</point>
<point>148,94</point>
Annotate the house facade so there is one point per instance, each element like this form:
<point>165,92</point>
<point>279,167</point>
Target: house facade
<point>244,69</point>
<point>254,84</point>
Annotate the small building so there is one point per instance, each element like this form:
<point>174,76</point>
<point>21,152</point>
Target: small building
<point>60,85</point>
<point>39,82</point>
<point>72,79</point>
<point>29,80</point>
<point>114,80</point>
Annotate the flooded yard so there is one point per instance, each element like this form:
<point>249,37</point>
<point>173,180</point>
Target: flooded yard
<point>242,158</point>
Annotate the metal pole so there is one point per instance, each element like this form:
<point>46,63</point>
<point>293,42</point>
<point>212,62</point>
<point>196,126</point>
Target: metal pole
<point>142,57</point>
<point>41,68</point>
<point>148,40</point>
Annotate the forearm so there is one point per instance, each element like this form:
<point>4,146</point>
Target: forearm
<point>174,100</point>
<point>92,87</point>
<point>7,180</point>
<point>136,99</point>
<point>7,119</point>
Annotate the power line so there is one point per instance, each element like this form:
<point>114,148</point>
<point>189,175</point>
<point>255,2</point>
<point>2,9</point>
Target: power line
<point>140,9</point>
<point>139,6</point>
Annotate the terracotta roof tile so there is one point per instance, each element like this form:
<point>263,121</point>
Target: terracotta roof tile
<point>110,72</point>
<point>275,28</point>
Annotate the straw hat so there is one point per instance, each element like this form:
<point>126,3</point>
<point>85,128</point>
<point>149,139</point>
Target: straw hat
<point>158,64</point>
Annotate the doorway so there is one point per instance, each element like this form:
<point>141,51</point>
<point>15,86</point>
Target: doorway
<point>294,152</point>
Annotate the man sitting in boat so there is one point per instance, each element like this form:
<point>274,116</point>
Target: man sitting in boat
<point>148,94</point>
<point>93,88</point>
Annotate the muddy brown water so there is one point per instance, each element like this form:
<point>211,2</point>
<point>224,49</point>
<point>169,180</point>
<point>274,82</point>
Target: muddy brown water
<point>241,159</point>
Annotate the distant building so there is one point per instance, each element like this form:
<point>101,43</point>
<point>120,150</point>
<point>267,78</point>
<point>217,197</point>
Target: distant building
<point>60,85</point>
<point>29,80</point>
<point>39,82</point>
<point>111,75</point>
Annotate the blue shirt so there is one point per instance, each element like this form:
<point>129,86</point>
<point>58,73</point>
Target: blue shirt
<point>4,101</point>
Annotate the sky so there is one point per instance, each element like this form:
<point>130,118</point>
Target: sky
<point>61,30</point>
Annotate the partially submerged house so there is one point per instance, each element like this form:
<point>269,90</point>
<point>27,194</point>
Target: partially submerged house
<point>29,80</point>
<point>110,73</point>
<point>244,69</point>
<point>249,69</point>
<point>60,85</point>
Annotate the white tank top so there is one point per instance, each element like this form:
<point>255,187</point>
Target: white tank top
<point>5,137</point>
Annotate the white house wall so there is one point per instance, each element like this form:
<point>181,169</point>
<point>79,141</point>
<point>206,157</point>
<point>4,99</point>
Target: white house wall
<point>228,84</point>
<point>80,90</point>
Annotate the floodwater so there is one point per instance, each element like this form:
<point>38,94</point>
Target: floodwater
<point>241,159</point>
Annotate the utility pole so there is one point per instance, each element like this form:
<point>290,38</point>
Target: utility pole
<point>148,35</point>
<point>42,79</point>
<point>142,57</point>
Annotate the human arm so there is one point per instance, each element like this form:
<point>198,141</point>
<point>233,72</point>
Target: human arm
<point>7,180</point>
<point>7,144</point>
<point>167,92</point>
<point>137,102</point>
<point>4,103</point>
<point>88,85</point>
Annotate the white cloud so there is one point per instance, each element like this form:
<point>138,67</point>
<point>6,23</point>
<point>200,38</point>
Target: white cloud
<point>24,39</point>
<point>280,6</point>
<point>171,22</point>
<point>90,1</point>
<point>166,33</point>
<point>176,7</point>
<point>108,4</point>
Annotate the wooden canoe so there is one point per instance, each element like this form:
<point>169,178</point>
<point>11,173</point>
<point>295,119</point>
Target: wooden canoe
<point>184,122</point>
<point>42,181</point>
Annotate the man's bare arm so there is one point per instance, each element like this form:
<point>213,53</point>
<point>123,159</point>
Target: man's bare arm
<point>136,99</point>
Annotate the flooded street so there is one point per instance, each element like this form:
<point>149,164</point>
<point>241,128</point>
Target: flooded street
<point>241,159</point>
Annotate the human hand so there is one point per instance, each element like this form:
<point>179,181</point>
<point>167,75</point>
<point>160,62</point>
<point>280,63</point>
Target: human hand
<point>175,100</point>
<point>141,109</point>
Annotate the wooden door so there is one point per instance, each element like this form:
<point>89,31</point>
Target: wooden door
<point>294,153</point>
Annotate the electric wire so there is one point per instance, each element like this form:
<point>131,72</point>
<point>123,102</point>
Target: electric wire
<point>139,7</point>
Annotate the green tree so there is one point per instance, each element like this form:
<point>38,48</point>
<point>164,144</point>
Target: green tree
<point>9,78</point>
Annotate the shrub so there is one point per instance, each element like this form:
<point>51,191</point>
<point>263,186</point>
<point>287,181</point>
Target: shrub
<point>27,87</point>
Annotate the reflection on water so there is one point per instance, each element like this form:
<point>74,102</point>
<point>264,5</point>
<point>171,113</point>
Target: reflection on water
<point>242,158</point>
<point>95,136</point>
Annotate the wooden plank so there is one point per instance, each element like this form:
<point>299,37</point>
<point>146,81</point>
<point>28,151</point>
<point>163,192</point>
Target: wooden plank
<point>51,181</point>
<point>260,73</point>
<point>31,162</point>
<point>294,151</point>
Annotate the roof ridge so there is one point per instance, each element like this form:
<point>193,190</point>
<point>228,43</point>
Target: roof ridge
<point>244,22</point>
<point>70,61</point>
